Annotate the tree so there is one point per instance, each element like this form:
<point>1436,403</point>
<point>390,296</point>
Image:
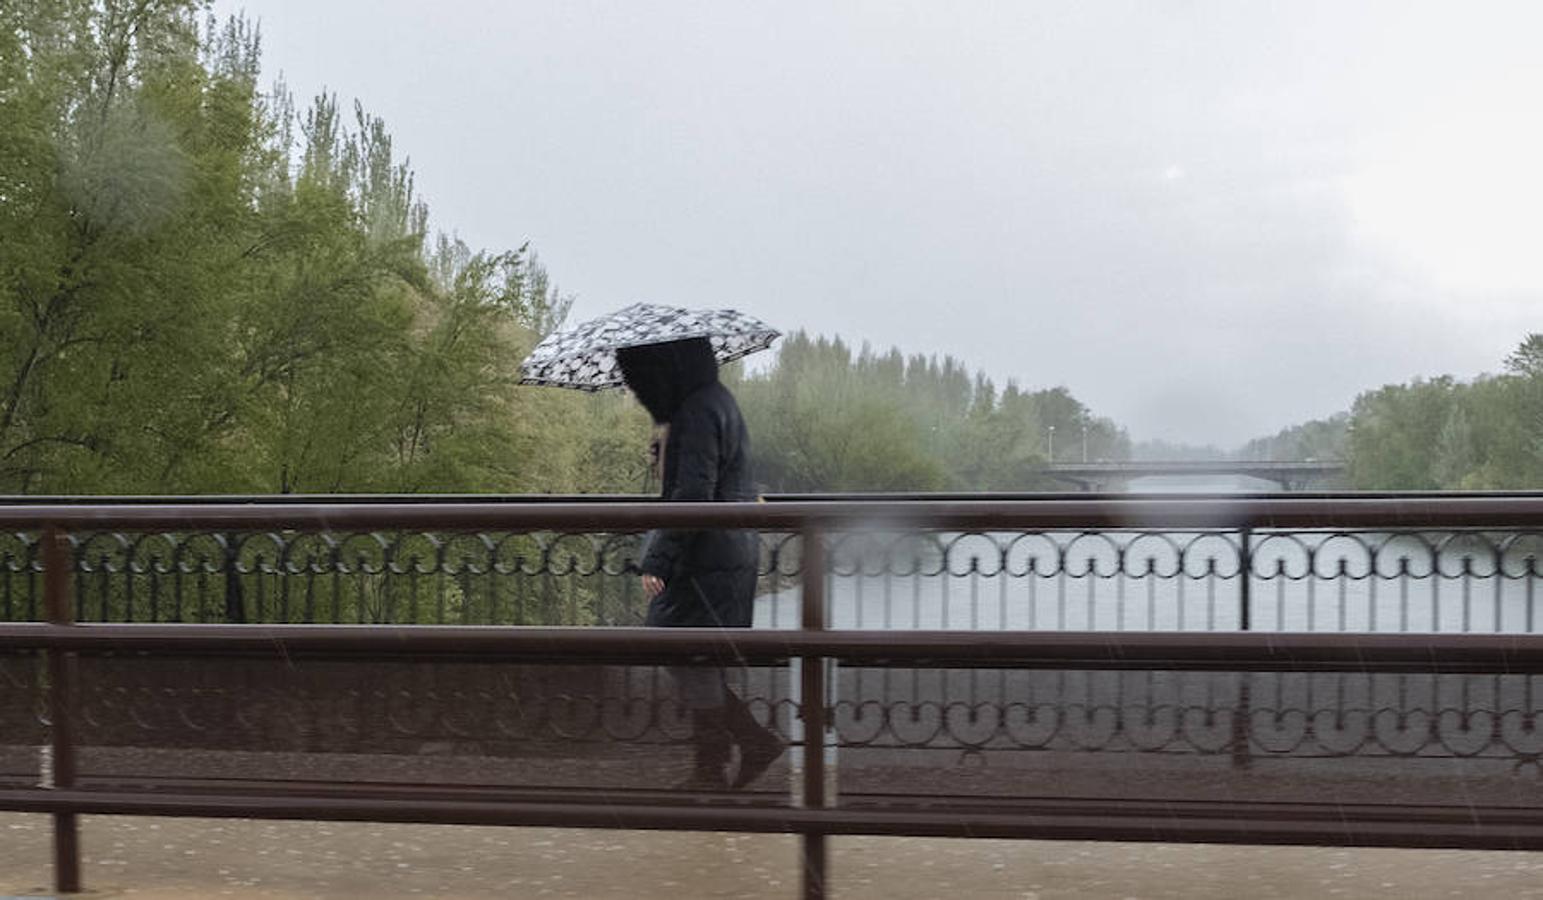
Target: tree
<point>1454,454</point>
<point>201,290</point>
<point>1527,359</point>
<point>1442,433</point>
<point>825,418</point>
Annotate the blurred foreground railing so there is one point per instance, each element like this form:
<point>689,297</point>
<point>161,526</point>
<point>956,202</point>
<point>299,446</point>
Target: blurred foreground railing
<point>1297,737</point>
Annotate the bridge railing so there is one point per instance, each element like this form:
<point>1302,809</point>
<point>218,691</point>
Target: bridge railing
<point>1378,739</point>
<point>1229,572</point>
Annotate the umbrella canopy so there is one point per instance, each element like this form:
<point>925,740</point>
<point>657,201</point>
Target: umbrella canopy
<point>584,357</point>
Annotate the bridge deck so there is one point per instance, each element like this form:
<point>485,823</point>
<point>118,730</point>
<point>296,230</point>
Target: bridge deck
<point>183,859</point>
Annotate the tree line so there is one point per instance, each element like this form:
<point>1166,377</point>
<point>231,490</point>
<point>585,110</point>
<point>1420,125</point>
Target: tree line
<point>206,287</point>
<point>826,416</point>
<point>1437,433</point>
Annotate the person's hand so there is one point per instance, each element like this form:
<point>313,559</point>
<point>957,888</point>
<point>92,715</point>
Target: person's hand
<point>653,586</point>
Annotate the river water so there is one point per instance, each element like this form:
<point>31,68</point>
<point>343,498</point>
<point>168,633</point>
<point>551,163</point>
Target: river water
<point>1180,581</point>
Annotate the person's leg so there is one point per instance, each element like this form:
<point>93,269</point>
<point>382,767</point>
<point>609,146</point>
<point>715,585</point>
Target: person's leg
<point>702,692</point>
<point>734,599</point>
<point>699,688</point>
<point>759,747</point>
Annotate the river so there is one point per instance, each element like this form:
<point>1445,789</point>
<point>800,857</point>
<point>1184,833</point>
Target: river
<point>1180,581</point>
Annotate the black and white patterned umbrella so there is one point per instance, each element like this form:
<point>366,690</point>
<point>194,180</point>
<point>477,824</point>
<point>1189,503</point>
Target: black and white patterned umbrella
<point>584,357</point>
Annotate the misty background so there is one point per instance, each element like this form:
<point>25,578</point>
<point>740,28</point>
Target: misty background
<point>303,248</point>
<point>1209,221</point>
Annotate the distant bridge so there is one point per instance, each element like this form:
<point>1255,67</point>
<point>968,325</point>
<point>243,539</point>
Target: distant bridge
<point>1291,475</point>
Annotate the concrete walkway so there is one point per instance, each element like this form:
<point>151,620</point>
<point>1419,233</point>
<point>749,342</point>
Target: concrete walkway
<point>183,859</point>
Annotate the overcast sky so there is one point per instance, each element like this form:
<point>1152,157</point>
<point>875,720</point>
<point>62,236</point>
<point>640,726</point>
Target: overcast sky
<point>1207,220</point>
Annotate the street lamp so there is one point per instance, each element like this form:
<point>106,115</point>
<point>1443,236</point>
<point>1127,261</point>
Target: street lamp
<point>1050,454</point>
<point>1084,442</point>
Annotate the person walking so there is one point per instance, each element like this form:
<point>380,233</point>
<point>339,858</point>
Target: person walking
<point>694,578</point>
<point>701,578</point>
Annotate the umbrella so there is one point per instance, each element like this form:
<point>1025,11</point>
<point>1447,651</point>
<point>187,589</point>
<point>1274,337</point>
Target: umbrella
<point>584,357</point>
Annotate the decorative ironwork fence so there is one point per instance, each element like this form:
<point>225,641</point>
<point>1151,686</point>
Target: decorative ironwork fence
<point>1425,580</point>
<point>1054,717</point>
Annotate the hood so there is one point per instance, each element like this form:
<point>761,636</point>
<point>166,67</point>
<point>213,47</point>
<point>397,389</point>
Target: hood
<point>663,375</point>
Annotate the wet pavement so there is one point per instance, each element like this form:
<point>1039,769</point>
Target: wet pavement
<point>182,859</point>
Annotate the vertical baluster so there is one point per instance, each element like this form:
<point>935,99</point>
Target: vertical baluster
<point>1180,579</point>
<point>103,588</point>
<point>916,595</point>
<point>32,586</point>
<point>974,593</point>
<point>1245,582</point>
<point>889,595</point>
<point>360,596</point>
<point>1151,580</point>
<point>1467,577</point>
<point>235,604</point>
<point>860,598</point>
<point>1119,597</point>
<point>520,586</point>
<point>388,584</point>
<point>128,582</point>
<point>1342,578</point>
<point>259,569</point>
<point>1060,598</point>
<point>1280,594</point>
<point>1500,579</point>
<point>570,580</point>
<point>945,576</point>
<point>1210,593</point>
<point>412,587</point>
<point>178,571</point>
<point>1312,593</point>
<point>1092,577</point>
<point>1372,577</point>
<point>1435,593</point>
<point>281,575</point>
<point>1243,723</point>
<point>336,564</point>
<point>1532,576</point>
<point>1403,593</point>
<point>1033,583</point>
<point>1002,579</point>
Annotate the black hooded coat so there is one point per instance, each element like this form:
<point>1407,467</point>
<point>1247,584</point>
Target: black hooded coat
<point>708,574</point>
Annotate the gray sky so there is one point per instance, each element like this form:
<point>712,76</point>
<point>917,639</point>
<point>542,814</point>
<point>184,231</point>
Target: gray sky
<point>1208,220</point>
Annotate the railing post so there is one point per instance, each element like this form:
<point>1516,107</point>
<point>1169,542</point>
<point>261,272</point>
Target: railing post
<point>61,696</point>
<point>812,692</point>
<point>1243,713</point>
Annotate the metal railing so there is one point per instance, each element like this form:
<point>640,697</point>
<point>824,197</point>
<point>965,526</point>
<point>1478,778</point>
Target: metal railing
<point>861,693</point>
<point>1306,577</point>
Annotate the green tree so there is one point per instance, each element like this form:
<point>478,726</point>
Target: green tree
<point>202,290</point>
<point>1454,453</point>
<point>824,417</point>
<point>1442,433</point>
<point>1526,360</point>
